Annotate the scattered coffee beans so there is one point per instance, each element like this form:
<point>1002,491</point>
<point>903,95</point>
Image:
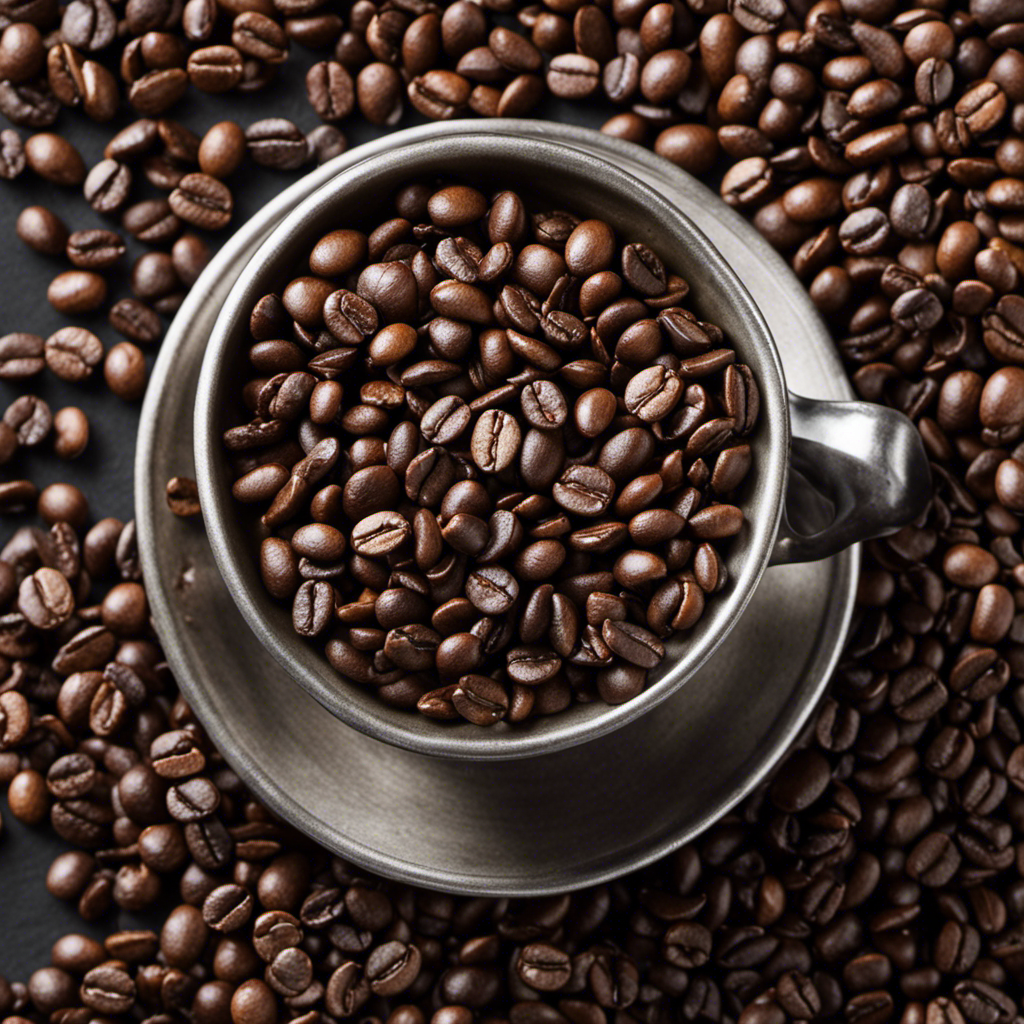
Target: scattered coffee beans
<point>878,146</point>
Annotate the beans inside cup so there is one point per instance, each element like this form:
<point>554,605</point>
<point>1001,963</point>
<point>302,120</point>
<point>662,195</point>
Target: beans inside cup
<point>496,459</point>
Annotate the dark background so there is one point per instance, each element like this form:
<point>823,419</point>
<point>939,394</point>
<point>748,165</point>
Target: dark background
<point>31,919</point>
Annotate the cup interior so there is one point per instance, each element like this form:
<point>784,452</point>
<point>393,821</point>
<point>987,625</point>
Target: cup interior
<point>551,173</point>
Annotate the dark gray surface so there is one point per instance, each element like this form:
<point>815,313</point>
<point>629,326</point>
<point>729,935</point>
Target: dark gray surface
<point>30,919</point>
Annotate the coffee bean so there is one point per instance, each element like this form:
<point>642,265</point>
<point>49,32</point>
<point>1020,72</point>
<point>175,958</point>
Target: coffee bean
<point>152,221</point>
<point>445,420</point>
<point>222,149</point>
<point>330,90</point>
<point>72,353</point>
<point>277,143</point>
<point>107,185</point>
<point>124,370</point>
<point>45,599</point>
<point>77,291</point>
<point>94,249</point>
<point>203,201</point>
<point>633,643</point>
<point>30,418</point>
<point>192,800</point>
<point>135,320</point>
<point>491,589</point>
<point>42,230</point>
<point>439,95</point>
<point>573,76</point>
<point>495,441</point>
<point>21,355</point>
<point>584,490</point>
<point>55,159</point>
<point>215,68</point>
<point>29,105</point>
<point>227,908</point>
<point>652,393</point>
<point>543,405</point>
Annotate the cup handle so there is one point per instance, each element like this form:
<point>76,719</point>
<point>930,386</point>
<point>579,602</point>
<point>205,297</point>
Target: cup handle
<point>857,470</point>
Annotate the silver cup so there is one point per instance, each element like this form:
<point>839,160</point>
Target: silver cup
<point>826,474</point>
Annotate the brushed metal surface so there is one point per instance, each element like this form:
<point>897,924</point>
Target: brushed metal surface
<point>857,471</point>
<point>540,825</point>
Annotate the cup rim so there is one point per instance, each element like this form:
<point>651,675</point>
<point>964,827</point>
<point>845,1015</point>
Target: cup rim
<point>232,550</point>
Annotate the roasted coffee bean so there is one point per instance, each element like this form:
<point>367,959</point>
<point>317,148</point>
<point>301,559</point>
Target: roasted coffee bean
<point>72,353</point>
<point>222,149</point>
<point>277,143</point>
<point>107,186</point>
<point>55,159</point>
<point>202,200</point>
<point>21,355</point>
<point>30,418</point>
<point>135,320</point>
<point>77,291</point>
<point>42,230</point>
<point>95,249</point>
<point>124,370</point>
<point>30,105</point>
<point>151,220</point>
<point>584,490</point>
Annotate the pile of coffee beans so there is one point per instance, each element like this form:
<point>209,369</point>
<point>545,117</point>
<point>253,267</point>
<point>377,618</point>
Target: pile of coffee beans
<point>497,463</point>
<point>881,876</point>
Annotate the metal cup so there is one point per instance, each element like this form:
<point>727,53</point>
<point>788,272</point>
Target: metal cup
<point>826,474</point>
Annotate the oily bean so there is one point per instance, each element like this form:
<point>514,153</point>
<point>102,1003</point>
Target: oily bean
<point>94,249</point>
<point>439,95</point>
<point>124,370</point>
<point>107,185</point>
<point>215,69</point>
<point>594,411</point>
<point>202,200</point>
<point>21,355</point>
<point>637,568</point>
<point>73,352</point>
<point>222,149</point>
<point>30,418</point>
<point>495,441</point>
<point>42,230</point>
<point>55,159</point>
<point>632,643</point>
<point>584,490</point>
<point>77,291</point>
<point>480,699</point>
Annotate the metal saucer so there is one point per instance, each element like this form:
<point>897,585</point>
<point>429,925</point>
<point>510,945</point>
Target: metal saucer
<point>539,825</point>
